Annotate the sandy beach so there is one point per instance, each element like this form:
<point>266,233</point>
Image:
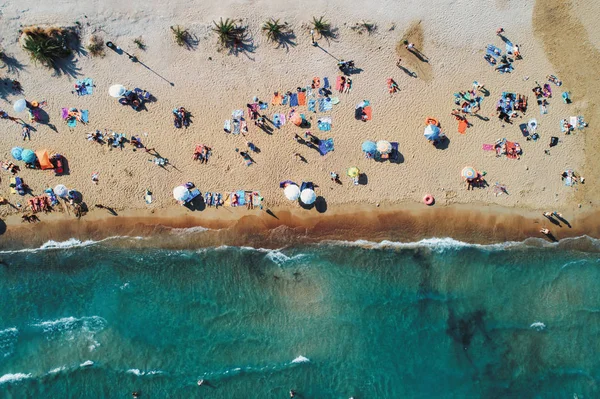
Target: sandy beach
<point>211,84</point>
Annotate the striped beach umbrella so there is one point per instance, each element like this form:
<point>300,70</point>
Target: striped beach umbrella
<point>468,173</point>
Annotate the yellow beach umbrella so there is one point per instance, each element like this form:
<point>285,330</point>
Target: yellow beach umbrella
<point>353,172</point>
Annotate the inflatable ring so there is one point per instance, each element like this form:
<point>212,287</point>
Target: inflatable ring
<point>428,199</point>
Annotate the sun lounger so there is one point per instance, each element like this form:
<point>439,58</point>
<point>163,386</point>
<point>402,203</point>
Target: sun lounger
<point>326,83</point>
<point>312,103</point>
<point>302,98</point>
<point>326,146</point>
<point>294,100</point>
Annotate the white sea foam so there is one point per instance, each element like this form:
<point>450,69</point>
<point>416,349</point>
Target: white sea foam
<point>190,230</point>
<point>57,370</point>
<point>66,324</point>
<point>434,243</point>
<point>87,363</point>
<point>13,377</point>
<point>8,339</point>
<point>301,359</point>
<point>70,243</point>
<point>538,326</point>
<point>140,373</point>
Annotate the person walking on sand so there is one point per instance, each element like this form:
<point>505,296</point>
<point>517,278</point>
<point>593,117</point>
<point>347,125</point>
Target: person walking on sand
<point>95,176</point>
<point>399,62</point>
<point>499,31</point>
<point>410,46</point>
<point>558,215</point>
<point>545,231</point>
<point>548,215</point>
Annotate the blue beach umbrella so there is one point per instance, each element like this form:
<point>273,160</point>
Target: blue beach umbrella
<point>432,132</point>
<point>16,153</point>
<point>28,156</point>
<point>369,147</point>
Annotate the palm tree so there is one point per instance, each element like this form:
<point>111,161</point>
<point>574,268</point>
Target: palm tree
<point>181,35</point>
<point>321,25</point>
<point>230,34</point>
<point>274,30</point>
<point>46,46</point>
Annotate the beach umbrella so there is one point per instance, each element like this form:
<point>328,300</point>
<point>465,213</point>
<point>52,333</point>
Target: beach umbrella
<point>384,147</point>
<point>369,146</point>
<point>292,192</point>
<point>116,91</point>
<point>180,193</point>
<point>28,156</point>
<point>20,105</point>
<point>61,190</point>
<point>16,153</point>
<point>353,172</point>
<point>468,173</point>
<point>308,196</point>
<point>432,132</point>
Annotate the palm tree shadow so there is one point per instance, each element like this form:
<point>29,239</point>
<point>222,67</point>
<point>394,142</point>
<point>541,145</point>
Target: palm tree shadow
<point>286,40</point>
<point>66,66</point>
<point>12,64</point>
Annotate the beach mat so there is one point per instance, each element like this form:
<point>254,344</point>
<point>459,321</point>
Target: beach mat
<point>293,100</point>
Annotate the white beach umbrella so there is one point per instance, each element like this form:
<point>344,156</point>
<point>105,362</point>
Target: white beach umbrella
<point>116,91</point>
<point>292,192</point>
<point>180,193</point>
<point>384,147</point>
<point>20,105</point>
<point>308,196</point>
<point>60,190</point>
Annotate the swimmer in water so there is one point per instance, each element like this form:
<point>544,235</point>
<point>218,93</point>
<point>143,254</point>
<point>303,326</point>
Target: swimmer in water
<point>200,383</point>
<point>135,394</point>
<point>292,393</point>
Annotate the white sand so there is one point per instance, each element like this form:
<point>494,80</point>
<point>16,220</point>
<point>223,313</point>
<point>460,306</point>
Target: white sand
<point>455,36</point>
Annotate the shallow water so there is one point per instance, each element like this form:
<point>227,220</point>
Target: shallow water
<point>431,319</point>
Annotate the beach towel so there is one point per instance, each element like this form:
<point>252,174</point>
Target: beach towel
<point>326,83</point>
<point>285,100</point>
<point>324,124</point>
<point>543,110</point>
<point>294,100</point>
<point>301,98</point>
<point>327,105</point>
<point>509,47</point>
<point>256,199</point>
<point>326,146</point>
<point>487,147</point>
<point>321,102</point>
<point>277,99</point>
<point>71,122</point>
<point>581,122</point>
<point>368,112</point>
<point>64,113</point>
<point>237,114</point>
<point>566,98</point>
<point>573,121</point>
<point>282,119</point>
<point>511,150</point>
<point>86,86</point>
<point>462,126</point>
<point>338,83</point>
<point>85,115</point>
<point>491,60</point>
<point>276,121</point>
<point>227,126</point>
<point>493,51</point>
<point>524,130</point>
<point>241,197</point>
<point>312,103</point>
<point>508,68</point>
<point>395,154</point>
<point>335,100</point>
<point>263,106</point>
<point>236,126</point>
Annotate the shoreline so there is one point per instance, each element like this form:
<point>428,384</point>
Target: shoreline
<point>282,226</point>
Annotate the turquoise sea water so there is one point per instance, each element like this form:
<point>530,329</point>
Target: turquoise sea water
<point>435,319</point>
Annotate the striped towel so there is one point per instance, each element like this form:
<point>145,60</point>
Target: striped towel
<point>321,105</point>
<point>311,105</point>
